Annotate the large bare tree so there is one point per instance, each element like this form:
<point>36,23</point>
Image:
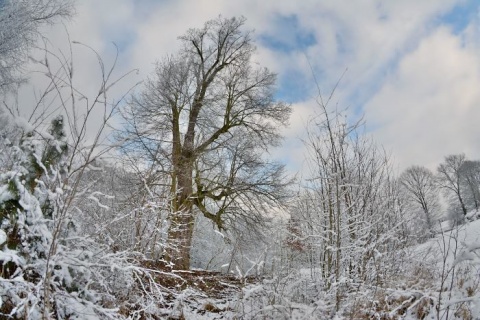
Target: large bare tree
<point>205,119</point>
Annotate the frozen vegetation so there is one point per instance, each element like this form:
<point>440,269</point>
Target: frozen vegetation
<point>163,204</point>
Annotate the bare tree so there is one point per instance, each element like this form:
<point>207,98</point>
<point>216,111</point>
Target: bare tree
<point>420,185</point>
<point>205,119</point>
<point>449,174</point>
<point>20,21</point>
<point>470,178</point>
<point>354,226</point>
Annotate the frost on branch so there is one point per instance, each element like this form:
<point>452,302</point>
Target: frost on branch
<point>47,266</point>
<point>26,229</point>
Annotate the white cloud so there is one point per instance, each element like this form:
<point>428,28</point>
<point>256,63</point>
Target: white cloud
<point>409,72</point>
<point>292,152</point>
<point>430,106</point>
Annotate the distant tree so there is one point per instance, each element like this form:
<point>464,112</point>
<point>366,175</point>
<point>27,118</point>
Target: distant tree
<point>20,22</point>
<point>470,179</point>
<point>420,186</point>
<point>205,119</point>
<point>450,178</point>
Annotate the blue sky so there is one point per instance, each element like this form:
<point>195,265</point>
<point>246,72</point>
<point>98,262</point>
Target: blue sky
<point>294,87</point>
<point>461,15</point>
<point>413,67</point>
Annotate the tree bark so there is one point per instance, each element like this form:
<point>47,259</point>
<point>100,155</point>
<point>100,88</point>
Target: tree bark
<point>182,219</point>
<point>180,239</point>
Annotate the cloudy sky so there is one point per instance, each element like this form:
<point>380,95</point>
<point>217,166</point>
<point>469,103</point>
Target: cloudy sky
<point>412,68</point>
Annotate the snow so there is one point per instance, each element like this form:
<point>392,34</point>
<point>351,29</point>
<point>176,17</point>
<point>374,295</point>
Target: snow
<point>453,252</point>
<point>443,245</point>
<point>97,201</point>
<point>23,124</point>
<point>3,237</point>
<point>7,255</point>
<point>5,194</point>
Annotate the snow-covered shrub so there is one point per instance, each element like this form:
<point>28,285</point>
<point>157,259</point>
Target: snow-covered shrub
<point>120,209</point>
<point>47,266</point>
<point>52,265</point>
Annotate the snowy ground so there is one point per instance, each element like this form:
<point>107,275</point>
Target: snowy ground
<point>449,260</point>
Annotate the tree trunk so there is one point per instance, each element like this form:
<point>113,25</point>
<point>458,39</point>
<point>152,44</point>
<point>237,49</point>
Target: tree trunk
<point>182,221</point>
<point>180,239</point>
<point>462,204</point>
<point>182,218</point>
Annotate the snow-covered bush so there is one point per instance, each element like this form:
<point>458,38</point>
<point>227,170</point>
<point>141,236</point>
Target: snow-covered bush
<point>121,209</point>
<point>46,267</point>
<point>52,265</point>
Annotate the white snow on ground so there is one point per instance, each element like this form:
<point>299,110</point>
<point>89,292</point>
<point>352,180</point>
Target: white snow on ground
<point>451,248</point>
<point>449,243</point>
<point>453,257</point>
